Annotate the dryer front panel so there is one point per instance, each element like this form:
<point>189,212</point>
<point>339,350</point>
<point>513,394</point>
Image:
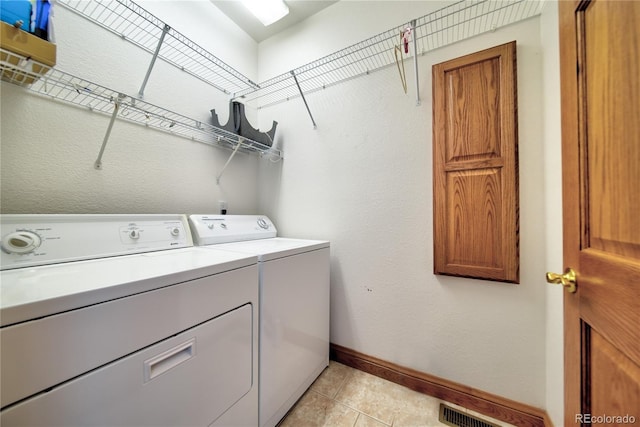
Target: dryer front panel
<point>189,379</point>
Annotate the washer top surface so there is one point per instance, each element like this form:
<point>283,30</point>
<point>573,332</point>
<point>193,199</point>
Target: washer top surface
<point>34,292</point>
<point>269,249</point>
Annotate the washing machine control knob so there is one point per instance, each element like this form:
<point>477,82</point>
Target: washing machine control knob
<point>134,234</point>
<point>21,242</point>
<point>175,231</point>
<point>262,223</point>
<point>210,226</point>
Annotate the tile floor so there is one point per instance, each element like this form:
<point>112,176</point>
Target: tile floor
<point>346,397</point>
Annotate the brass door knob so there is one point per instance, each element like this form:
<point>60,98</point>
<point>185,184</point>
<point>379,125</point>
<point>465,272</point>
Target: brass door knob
<point>568,279</point>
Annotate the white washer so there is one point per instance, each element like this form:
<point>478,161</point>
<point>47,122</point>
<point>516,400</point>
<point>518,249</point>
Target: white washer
<point>294,304</point>
<point>117,320</point>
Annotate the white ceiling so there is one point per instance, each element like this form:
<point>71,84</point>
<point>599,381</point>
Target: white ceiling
<point>299,10</point>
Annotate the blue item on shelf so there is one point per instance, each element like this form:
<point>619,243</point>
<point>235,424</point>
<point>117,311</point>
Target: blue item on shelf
<point>41,28</point>
<point>16,13</point>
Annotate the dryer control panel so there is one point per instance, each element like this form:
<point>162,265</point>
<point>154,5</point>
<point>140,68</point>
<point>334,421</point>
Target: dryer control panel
<point>214,229</point>
<point>32,240</point>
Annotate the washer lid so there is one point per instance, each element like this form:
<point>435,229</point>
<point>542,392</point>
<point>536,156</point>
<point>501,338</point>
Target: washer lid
<point>278,247</point>
<point>29,293</point>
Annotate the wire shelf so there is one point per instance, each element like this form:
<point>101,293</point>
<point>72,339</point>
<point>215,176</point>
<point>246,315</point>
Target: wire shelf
<point>140,27</point>
<point>448,25</point>
<point>74,90</point>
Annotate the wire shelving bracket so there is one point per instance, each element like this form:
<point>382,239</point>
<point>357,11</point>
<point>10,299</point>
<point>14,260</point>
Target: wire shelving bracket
<point>227,164</point>
<point>453,23</point>
<point>116,107</point>
<point>415,64</point>
<point>165,30</point>
<point>295,79</point>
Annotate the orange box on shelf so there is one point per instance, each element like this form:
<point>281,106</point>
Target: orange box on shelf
<point>17,46</point>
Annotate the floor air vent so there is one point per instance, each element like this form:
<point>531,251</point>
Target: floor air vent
<point>455,418</point>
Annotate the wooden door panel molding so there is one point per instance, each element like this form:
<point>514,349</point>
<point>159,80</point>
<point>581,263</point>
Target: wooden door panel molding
<point>480,237</point>
<point>612,210</point>
<point>475,156</point>
<point>473,108</point>
<point>609,304</point>
<point>473,164</point>
<point>618,386</point>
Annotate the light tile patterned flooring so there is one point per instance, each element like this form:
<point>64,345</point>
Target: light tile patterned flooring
<point>346,397</point>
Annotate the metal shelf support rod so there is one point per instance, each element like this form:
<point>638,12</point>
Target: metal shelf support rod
<point>240,141</point>
<point>116,107</point>
<point>415,60</point>
<point>304,99</point>
<point>165,30</point>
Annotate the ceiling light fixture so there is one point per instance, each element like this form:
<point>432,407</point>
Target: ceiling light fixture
<point>267,11</point>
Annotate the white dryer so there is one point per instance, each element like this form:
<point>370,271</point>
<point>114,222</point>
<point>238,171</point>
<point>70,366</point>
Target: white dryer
<point>294,304</point>
<point>117,320</point>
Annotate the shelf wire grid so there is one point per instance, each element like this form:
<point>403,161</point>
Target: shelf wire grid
<point>65,87</point>
<point>456,22</point>
<point>138,26</point>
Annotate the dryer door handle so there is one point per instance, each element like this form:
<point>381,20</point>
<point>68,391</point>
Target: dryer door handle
<point>169,359</point>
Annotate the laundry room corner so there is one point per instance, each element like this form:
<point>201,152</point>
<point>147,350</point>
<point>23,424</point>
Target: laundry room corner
<point>363,180</point>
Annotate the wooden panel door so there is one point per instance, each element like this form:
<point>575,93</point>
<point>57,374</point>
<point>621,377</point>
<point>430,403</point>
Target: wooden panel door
<point>475,165</point>
<point>600,70</point>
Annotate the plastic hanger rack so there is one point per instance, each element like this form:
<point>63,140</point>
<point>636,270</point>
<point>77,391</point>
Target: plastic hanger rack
<point>456,22</point>
<point>74,90</point>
